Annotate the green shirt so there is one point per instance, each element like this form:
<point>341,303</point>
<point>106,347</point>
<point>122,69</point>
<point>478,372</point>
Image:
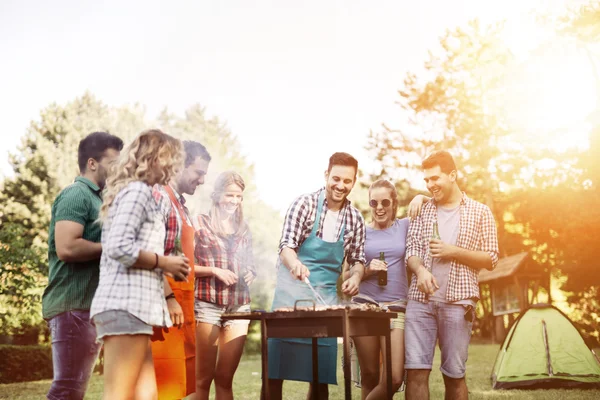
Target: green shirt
<point>71,286</point>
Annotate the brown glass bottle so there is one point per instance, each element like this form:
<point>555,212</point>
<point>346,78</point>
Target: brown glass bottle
<point>382,275</point>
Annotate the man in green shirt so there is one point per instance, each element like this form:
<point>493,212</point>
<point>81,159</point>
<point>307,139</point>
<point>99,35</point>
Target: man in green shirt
<point>74,255</point>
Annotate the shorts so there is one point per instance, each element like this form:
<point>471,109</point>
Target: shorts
<point>399,307</point>
<point>428,322</point>
<point>119,322</point>
<point>211,313</point>
<point>398,322</point>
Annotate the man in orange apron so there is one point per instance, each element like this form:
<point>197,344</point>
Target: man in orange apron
<point>174,350</point>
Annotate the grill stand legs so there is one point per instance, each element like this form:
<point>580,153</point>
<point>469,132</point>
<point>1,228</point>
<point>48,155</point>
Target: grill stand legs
<point>315,369</point>
<point>388,364</point>
<point>264,360</point>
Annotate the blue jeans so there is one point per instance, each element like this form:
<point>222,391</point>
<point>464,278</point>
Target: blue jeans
<point>74,354</point>
<point>428,322</point>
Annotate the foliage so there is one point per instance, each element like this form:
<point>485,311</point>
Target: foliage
<point>20,288</point>
<point>25,363</point>
<point>40,175</point>
<point>460,102</point>
<point>582,22</point>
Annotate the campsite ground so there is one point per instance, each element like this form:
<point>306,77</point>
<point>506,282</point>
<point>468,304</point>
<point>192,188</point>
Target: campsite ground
<point>247,383</point>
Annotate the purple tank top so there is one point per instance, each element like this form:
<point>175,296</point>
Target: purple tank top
<point>392,241</point>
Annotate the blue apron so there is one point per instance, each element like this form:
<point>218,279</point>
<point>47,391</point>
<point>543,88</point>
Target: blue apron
<point>291,359</point>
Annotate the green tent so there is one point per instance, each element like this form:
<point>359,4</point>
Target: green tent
<point>543,349</point>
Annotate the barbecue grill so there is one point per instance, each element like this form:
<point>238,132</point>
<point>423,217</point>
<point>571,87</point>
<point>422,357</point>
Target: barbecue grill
<point>320,322</point>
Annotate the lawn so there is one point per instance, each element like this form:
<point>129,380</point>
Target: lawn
<point>247,383</point>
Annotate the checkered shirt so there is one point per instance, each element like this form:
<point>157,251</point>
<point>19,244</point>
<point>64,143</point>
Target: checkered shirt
<point>477,232</point>
<point>134,223</point>
<point>234,254</point>
<point>171,215</point>
<point>300,219</point>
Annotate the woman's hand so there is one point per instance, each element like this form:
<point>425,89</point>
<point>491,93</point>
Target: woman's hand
<point>375,266</point>
<point>177,267</point>
<point>249,278</point>
<point>175,312</point>
<point>226,276</point>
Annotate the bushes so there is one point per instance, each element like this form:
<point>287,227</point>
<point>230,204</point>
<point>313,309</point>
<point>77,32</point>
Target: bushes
<point>252,345</point>
<point>25,363</point>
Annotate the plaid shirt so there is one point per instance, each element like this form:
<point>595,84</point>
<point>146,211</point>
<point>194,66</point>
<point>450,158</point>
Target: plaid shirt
<point>477,232</point>
<point>171,215</point>
<point>300,219</point>
<point>233,253</point>
<point>134,223</point>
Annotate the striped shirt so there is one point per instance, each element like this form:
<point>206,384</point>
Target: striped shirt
<point>134,223</point>
<point>477,232</point>
<point>233,253</point>
<point>300,219</point>
<point>71,286</point>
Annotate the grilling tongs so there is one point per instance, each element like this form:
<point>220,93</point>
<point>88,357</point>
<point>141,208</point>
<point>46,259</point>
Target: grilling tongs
<point>317,295</point>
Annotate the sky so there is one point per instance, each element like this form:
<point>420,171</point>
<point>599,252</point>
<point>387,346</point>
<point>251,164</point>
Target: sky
<point>295,80</point>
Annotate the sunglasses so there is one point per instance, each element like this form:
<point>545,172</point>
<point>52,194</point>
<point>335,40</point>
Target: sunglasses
<point>384,203</point>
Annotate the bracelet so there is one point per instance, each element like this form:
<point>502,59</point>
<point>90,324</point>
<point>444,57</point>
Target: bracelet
<point>170,296</point>
<point>156,263</point>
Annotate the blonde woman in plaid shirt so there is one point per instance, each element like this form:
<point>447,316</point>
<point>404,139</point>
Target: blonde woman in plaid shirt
<point>129,299</point>
<point>444,288</point>
<point>224,271</point>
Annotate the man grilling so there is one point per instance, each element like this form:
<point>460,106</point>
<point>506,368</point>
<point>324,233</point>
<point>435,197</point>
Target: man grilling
<point>320,230</point>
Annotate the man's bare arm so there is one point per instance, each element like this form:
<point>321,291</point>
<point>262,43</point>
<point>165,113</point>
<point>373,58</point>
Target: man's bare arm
<point>290,259</point>
<point>351,285</point>
<point>426,282</point>
<point>474,259</point>
<point>415,264</point>
<point>70,245</point>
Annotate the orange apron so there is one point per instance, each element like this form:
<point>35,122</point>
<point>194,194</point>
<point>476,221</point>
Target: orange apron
<point>175,356</point>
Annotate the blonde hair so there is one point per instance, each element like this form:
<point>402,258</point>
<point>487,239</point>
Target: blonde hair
<point>384,183</point>
<point>150,152</point>
<point>223,181</point>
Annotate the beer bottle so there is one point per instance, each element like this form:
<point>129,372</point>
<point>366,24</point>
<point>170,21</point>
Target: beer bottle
<point>382,275</point>
<point>178,251</point>
<point>436,232</point>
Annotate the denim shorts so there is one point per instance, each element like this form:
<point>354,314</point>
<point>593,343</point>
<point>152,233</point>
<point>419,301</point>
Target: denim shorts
<point>428,322</point>
<point>398,322</point>
<point>119,322</point>
<point>399,307</point>
<point>210,313</point>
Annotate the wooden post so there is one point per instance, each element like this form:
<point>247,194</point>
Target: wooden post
<point>550,287</point>
<point>522,294</point>
<point>499,330</point>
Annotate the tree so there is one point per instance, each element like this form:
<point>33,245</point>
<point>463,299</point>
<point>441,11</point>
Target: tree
<point>577,225</point>
<point>455,105</point>
<point>46,162</point>
<point>459,103</point>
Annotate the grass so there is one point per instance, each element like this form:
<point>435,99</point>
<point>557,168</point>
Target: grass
<point>247,383</point>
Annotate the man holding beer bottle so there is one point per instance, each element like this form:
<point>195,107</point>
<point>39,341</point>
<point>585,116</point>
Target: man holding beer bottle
<point>452,239</point>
